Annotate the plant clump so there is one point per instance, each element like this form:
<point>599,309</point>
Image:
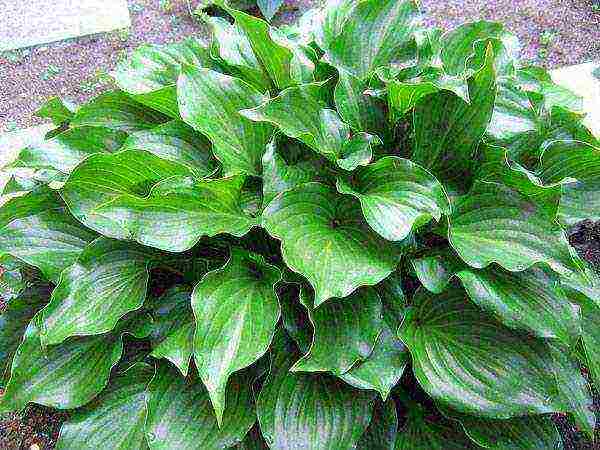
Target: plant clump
<point>346,233</point>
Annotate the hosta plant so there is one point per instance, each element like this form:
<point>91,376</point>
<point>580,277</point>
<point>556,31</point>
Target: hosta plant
<point>346,234</point>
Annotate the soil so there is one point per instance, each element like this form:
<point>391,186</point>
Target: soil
<point>553,33</point>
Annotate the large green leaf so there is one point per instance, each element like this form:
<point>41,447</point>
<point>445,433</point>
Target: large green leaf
<point>302,113</point>
<point>179,211</point>
<point>108,280</point>
<point>464,358</point>
<point>14,320</point>
<point>448,130</point>
<point>383,429</point>
<point>496,224</point>
<point>180,415</point>
<point>521,433</point>
<point>530,300</point>
<point>177,142</point>
<point>234,51</point>
<point>397,196</point>
<point>37,229</point>
<point>209,101</point>
<point>65,376</point>
<point>578,163</point>
<point>361,111</point>
<point>324,414</point>
<point>384,367</point>
<point>173,328</point>
<point>286,62</point>
<point>325,239</point>
<point>117,111</point>
<point>459,45</point>
<point>67,149</point>
<point>360,36</point>
<point>345,332</point>
<point>150,74</point>
<point>115,419</point>
<point>236,311</point>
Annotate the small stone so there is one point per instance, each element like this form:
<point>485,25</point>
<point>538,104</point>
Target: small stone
<point>34,447</point>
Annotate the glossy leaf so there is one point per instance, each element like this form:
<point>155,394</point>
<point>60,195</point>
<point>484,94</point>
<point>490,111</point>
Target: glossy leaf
<point>236,311</point>
<point>302,113</point>
<point>65,376</point>
<point>180,414</point>
<point>115,419</point>
<point>173,328</point>
<point>37,229</point>
<point>397,196</point>
<point>323,235</point>
<point>108,280</point>
<point>345,332</point>
<point>497,224</point>
<point>177,142</point>
<point>465,359</point>
<point>150,74</point>
<point>233,49</point>
<point>67,149</point>
<point>325,413</point>
<point>579,163</point>
<point>117,111</point>
<point>209,102</point>
<point>448,130</point>
<point>368,34</point>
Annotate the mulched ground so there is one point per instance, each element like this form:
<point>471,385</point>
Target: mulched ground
<point>553,33</point>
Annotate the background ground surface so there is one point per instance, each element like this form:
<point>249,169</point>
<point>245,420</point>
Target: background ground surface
<point>553,33</point>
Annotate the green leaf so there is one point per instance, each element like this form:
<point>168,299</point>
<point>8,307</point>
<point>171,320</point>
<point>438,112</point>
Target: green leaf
<point>180,414</point>
<point>397,196</point>
<point>177,142</point>
<point>179,211</point>
<point>435,270</point>
<point>67,149</point>
<point>521,433</point>
<point>448,130</point>
<point>364,35</point>
<point>269,8</point>
<point>294,315</point>
<point>117,111</point>
<point>361,111</point>
<point>576,165</point>
<point>37,229</point>
<point>14,320</point>
<point>253,441</point>
<point>279,175</point>
<point>209,101</point>
<point>234,51</point>
<point>115,419</point>
<point>173,327</point>
<point>465,359</point>
<point>530,300</point>
<point>496,224</point>
<point>128,202</point>
<point>12,281</point>
<point>65,376</point>
<point>382,432</point>
<point>286,62</point>
<point>459,45</point>
<point>325,413</point>
<point>150,74</point>
<point>421,434</point>
<point>236,311</point>
<point>323,234</point>
<point>345,332</point>
<point>57,110</point>
<point>108,280</point>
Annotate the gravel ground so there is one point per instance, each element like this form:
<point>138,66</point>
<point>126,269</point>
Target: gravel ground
<point>553,33</point>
